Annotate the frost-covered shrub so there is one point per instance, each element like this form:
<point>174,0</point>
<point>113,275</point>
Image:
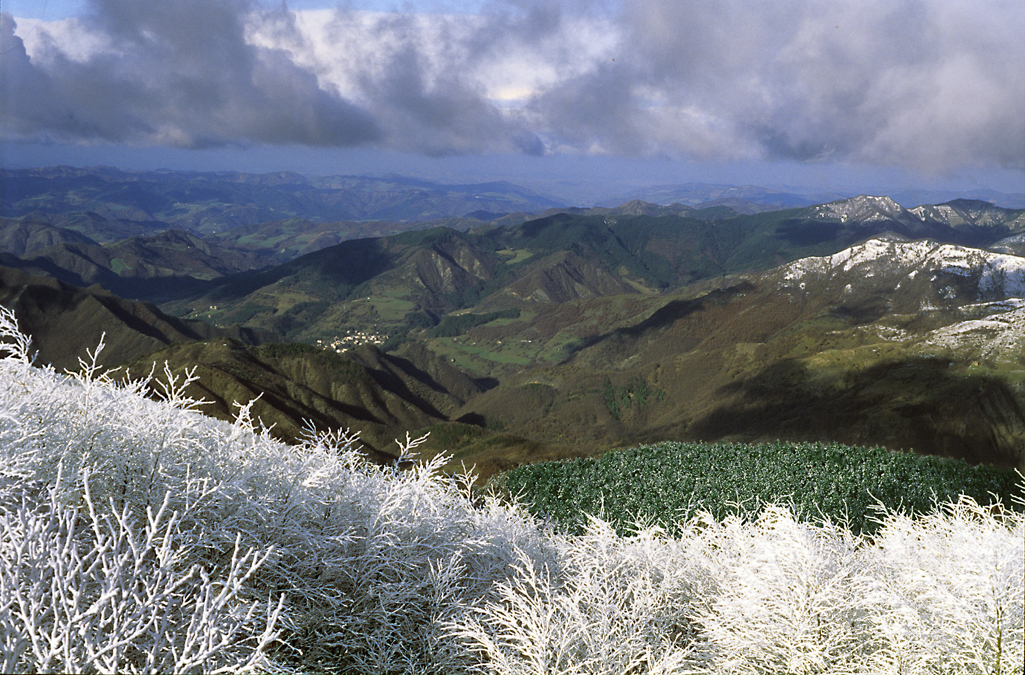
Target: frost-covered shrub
<point>409,553</point>
<point>84,591</point>
<point>372,562</point>
<point>938,594</point>
<point>788,601</point>
<point>619,605</point>
<point>945,591</point>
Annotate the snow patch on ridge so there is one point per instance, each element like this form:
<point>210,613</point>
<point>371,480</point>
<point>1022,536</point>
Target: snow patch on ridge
<point>999,273</point>
<point>998,335</point>
<point>987,308</point>
<point>864,209</point>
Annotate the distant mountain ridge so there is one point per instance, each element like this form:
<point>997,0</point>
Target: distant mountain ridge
<point>21,237</point>
<point>207,203</point>
<point>960,215</point>
<point>149,267</point>
<point>566,255</point>
<point>697,194</point>
<point>65,321</point>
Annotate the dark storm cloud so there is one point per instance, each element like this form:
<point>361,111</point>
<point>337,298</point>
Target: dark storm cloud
<point>178,73</point>
<point>68,101</point>
<point>929,84</point>
<point>925,84</point>
<point>437,111</point>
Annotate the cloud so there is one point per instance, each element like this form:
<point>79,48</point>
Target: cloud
<point>179,74</point>
<point>923,84</point>
<point>420,91</point>
<point>931,85</point>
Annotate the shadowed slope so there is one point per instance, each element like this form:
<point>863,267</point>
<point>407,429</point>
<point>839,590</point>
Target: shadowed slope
<point>64,321</point>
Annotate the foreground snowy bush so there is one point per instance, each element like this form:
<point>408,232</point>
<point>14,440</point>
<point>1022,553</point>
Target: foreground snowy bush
<point>179,511</point>
<point>101,593</point>
<point>138,535</point>
<point>942,594</point>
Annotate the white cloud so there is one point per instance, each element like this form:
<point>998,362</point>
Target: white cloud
<point>930,85</point>
<point>70,37</point>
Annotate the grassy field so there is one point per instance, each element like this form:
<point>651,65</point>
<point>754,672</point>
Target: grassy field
<point>389,305</point>
<point>514,256</point>
<point>481,359</point>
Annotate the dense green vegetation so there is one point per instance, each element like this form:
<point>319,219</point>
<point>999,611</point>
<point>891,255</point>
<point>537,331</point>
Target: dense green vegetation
<point>626,243</point>
<point>666,483</point>
<point>620,398</point>
<point>457,324</point>
<point>280,350</point>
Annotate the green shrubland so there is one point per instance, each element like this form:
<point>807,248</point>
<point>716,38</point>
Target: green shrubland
<point>457,324</point>
<point>670,482</point>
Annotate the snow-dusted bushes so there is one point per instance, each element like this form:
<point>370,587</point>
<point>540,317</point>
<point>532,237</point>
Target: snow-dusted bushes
<point>138,535</point>
<point>82,591</point>
<point>619,605</point>
<point>372,563</point>
<point>945,593</point>
<point>939,594</point>
<point>788,600</point>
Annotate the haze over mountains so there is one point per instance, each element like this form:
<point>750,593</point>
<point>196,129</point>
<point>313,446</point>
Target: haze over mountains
<point>520,329</point>
<point>210,202</point>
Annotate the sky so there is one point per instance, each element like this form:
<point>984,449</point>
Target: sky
<point>577,96</point>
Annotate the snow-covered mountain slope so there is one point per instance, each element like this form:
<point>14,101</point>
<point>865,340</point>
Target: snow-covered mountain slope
<point>997,335</point>
<point>975,299</point>
<point>1015,245</point>
<point>996,275</point>
<point>961,212</point>
<point>863,209</point>
<point>965,217</point>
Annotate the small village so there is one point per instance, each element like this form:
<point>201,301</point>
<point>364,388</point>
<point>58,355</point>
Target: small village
<point>352,338</point>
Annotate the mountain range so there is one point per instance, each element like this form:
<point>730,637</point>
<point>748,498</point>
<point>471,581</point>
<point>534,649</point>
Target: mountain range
<point>207,203</point>
<point>65,322</point>
<point>788,197</point>
<point>411,281</point>
<point>516,336</point>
